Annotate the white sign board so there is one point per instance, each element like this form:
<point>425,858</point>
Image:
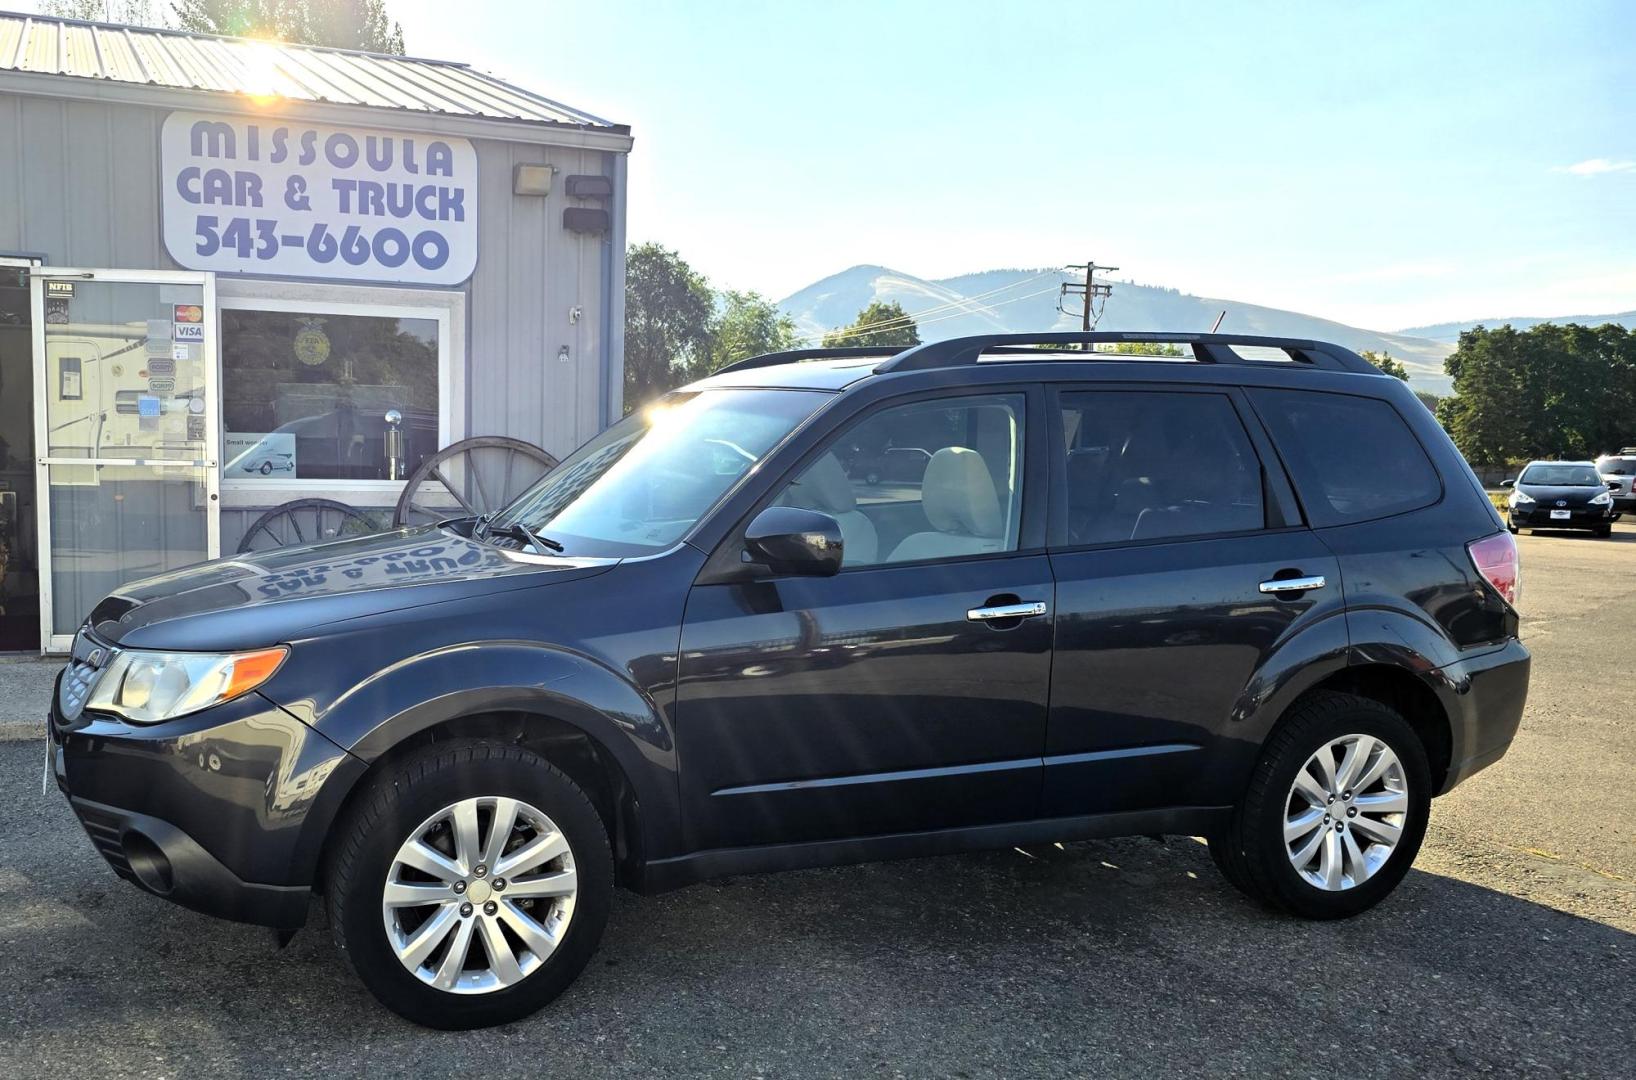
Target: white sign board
<point>259,453</point>
<point>264,196</point>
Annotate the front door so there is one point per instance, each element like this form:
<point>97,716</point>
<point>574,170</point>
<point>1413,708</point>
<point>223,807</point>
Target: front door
<point>125,433</point>
<point>892,697</point>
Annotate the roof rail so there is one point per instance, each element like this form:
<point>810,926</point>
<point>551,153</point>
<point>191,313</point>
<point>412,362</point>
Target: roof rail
<point>792,356</point>
<point>1207,349</point>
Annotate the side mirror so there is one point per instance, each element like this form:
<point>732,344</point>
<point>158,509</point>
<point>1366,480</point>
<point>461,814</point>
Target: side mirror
<point>790,540</point>
<point>1613,485</point>
<point>1508,483</point>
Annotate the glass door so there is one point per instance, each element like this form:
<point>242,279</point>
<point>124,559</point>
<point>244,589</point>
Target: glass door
<point>125,431</point>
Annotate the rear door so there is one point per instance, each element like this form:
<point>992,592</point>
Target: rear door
<point>1182,569</point>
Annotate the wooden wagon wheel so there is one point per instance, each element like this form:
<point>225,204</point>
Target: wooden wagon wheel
<point>305,521</point>
<point>473,476</point>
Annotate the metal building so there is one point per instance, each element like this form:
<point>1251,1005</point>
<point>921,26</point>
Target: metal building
<point>236,273</point>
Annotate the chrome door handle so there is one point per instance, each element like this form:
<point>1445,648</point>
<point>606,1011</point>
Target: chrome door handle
<point>1293,584</point>
<point>1006,611</point>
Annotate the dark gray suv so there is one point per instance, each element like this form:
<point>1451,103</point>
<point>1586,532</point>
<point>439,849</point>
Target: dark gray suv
<point>1259,601</point>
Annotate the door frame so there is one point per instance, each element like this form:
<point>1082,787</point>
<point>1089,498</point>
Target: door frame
<point>209,463</point>
<point>21,261</point>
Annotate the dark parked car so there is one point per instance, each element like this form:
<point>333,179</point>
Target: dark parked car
<point>1619,471</point>
<point>1264,602</point>
<point>1560,495</point>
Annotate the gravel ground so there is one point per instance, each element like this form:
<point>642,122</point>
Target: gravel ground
<point>1510,950</point>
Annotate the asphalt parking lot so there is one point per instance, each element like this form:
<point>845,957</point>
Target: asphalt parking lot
<point>1510,950</point>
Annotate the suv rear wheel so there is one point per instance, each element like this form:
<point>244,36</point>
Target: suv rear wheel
<point>1335,811</point>
<point>470,885</point>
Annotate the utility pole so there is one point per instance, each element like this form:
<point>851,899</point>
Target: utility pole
<point>1089,291</point>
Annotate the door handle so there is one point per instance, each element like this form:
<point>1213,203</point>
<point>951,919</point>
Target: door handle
<point>1293,584</point>
<point>1006,611</point>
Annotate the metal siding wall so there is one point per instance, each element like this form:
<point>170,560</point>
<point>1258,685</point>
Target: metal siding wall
<point>530,273</point>
<point>529,364</point>
<point>88,182</point>
<point>133,140</point>
<point>11,173</point>
<point>42,149</point>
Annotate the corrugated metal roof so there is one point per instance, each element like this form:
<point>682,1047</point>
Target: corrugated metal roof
<point>262,69</point>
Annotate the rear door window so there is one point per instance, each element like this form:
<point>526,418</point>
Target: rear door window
<point>1352,458</point>
<point>1157,465</point>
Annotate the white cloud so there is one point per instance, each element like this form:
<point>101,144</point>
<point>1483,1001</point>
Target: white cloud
<point>1596,166</point>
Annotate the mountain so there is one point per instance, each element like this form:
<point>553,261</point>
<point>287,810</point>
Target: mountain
<point>1451,331</point>
<point>1014,301</point>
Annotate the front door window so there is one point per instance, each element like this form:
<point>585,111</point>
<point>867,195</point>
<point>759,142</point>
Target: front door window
<point>936,479</point>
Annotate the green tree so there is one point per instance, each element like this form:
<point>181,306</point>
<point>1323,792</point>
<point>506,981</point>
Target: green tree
<point>131,12</point>
<point>1144,348</point>
<point>340,24</point>
<point>1547,391</point>
<point>879,324</point>
<point>669,323</point>
<point>1384,361</point>
<point>749,324</point>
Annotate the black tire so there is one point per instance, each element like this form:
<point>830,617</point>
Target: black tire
<point>395,804</point>
<point>266,468</point>
<point>1250,850</point>
<point>1605,531</point>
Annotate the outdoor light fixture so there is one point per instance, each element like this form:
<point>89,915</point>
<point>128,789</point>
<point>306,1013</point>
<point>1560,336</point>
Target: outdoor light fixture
<point>583,219</point>
<point>532,179</point>
<point>590,187</point>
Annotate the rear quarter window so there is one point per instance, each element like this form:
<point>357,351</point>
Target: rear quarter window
<point>1352,458</point>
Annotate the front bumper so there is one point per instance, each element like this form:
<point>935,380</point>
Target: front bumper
<point>215,811</point>
<point>1579,517</point>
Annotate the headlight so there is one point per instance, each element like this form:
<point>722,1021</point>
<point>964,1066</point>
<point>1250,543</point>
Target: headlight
<point>147,687</point>
<point>1604,499</point>
<point>1519,498</point>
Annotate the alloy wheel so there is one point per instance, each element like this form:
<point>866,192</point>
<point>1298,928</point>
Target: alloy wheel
<point>480,895</point>
<point>1345,812</point>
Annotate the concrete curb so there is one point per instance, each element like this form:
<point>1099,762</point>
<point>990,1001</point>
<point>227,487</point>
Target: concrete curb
<point>21,730</point>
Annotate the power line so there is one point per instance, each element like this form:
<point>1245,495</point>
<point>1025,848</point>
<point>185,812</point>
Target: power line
<point>964,303</point>
<point>835,337</point>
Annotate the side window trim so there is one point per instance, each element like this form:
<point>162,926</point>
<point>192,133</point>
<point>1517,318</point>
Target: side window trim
<point>725,565</point>
<point>1282,499</point>
<point>1277,492</point>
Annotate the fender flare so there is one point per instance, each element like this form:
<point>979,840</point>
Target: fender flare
<point>469,679</point>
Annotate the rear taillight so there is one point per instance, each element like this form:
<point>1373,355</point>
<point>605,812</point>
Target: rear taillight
<point>1495,557</point>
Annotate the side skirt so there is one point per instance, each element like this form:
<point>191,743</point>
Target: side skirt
<point>662,874</point>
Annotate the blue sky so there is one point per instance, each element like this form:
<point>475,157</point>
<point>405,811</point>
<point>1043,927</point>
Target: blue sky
<point>1382,163</point>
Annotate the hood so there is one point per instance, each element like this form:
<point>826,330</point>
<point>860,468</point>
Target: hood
<point>1548,495</point>
<point>263,598</point>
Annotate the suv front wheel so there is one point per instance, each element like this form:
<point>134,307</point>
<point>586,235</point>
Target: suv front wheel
<point>1335,810</point>
<point>470,884</point>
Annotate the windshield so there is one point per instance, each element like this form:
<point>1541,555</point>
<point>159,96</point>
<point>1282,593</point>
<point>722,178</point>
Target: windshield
<point>1561,476</point>
<point>1618,466</point>
<point>640,486</point>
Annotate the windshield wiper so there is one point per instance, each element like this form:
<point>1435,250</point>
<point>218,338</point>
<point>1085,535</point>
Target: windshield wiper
<point>518,531</point>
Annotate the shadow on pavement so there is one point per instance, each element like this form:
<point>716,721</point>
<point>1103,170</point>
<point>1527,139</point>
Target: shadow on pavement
<point>1127,956</point>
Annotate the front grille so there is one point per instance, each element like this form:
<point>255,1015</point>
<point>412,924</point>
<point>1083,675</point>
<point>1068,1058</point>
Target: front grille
<point>104,831</point>
<point>88,660</point>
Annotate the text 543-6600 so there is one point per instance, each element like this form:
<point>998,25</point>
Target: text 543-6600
<point>261,238</point>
